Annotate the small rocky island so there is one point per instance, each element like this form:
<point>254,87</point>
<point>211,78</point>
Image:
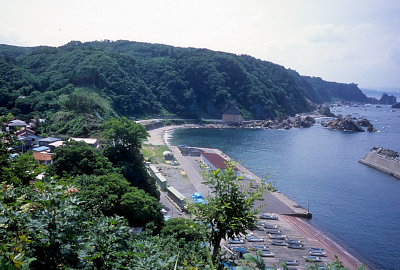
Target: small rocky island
<point>349,123</point>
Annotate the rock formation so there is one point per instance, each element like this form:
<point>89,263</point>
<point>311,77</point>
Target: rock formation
<point>387,100</point>
<point>324,110</point>
<point>396,106</point>
<point>349,124</point>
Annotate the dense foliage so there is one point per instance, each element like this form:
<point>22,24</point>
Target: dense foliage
<point>81,218</point>
<point>123,150</point>
<point>79,84</point>
<point>77,158</point>
<point>43,226</point>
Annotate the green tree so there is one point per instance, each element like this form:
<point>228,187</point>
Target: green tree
<point>230,209</point>
<point>123,149</point>
<point>102,193</point>
<point>183,229</point>
<point>77,158</point>
<point>140,208</point>
<point>124,132</point>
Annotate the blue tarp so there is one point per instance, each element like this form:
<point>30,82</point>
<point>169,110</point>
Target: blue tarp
<point>198,198</point>
<point>197,195</point>
<point>200,201</point>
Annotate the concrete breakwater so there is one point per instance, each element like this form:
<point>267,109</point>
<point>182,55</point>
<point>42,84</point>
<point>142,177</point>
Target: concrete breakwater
<point>384,160</point>
<point>274,202</point>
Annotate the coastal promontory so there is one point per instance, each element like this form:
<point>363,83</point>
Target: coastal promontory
<point>79,84</point>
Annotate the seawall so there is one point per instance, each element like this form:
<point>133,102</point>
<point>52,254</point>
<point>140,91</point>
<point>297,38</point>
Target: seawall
<point>275,202</point>
<point>381,162</point>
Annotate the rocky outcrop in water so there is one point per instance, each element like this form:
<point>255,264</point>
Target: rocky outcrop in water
<point>324,110</point>
<point>283,123</point>
<point>287,123</point>
<point>349,124</point>
<point>396,106</point>
<point>387,100</point>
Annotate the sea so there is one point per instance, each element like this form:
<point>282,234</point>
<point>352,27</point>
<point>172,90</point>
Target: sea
<point>357,206</point>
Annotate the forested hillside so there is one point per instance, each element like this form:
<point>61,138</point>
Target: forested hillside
<point>100,79</point>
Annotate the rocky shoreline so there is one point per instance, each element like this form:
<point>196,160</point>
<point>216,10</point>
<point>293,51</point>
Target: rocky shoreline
<point>306,120</point>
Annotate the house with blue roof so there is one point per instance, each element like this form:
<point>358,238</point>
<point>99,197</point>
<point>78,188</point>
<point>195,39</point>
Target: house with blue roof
<point>48,140</point>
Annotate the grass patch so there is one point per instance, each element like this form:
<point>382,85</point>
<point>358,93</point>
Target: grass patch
<point>154,153</point>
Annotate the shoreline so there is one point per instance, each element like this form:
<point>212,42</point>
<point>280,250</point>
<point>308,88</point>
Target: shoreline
<point>312,233</point>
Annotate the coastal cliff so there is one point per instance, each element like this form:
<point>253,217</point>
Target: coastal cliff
<point>384,160</point>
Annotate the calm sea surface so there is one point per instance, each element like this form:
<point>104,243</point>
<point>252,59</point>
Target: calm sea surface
<point>356,205</point>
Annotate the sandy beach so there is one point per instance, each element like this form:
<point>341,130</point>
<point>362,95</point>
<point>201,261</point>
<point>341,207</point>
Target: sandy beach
<point>276,203</point>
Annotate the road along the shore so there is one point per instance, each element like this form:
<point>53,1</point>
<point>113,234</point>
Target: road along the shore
<point>275,202</point>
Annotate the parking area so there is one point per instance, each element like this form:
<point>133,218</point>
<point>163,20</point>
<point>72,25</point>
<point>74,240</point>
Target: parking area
<point>279,252</point>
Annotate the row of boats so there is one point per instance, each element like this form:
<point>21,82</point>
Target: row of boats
<point>278,239</point>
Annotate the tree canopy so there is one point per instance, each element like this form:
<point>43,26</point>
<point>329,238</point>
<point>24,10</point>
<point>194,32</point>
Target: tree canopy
<point>106,79</point>
<point>230,209</point>
<point>77,158</point>
<point>124,132</point>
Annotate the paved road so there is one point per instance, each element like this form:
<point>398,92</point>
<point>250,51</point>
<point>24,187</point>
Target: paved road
<point>273,205</point>
<point>193,170</point>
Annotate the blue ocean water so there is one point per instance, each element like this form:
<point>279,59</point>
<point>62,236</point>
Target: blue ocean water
<point>356,205</point>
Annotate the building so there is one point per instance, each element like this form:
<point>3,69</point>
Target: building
<point>43,157</point>
<point>214,162</point>
<point>47,141</point>
<point>90,141</point>
<point>190,151</point>
<point>17,123</point>
<point>41,149</point>
<point>28,142</point>
<point>24,131</point>
<point>168,155</point>
<point>232,115</point>
<point>53,146</point>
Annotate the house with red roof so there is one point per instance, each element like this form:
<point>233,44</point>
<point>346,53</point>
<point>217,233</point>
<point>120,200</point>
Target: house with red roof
<point>43,157</point>
<point>214,162</point>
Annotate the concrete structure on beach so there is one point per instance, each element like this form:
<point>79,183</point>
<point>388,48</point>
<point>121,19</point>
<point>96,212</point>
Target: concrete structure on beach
<point>232,115</point>
<point>384,160</point>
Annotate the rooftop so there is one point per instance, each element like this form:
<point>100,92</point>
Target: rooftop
<point>40,156</point>
<point>49,139</point>
<point>86,140</point>
<point>218,161</point>
<point>41,149</point>
<point>17,123</point>
<point>56,144</point>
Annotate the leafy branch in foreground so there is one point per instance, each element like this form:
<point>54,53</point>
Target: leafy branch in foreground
<point>230,209</point>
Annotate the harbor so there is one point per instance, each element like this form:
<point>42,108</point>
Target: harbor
<point>292,218</point>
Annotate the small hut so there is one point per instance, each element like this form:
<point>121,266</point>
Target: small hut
<point>168,155</point>
<point>232,115</point>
